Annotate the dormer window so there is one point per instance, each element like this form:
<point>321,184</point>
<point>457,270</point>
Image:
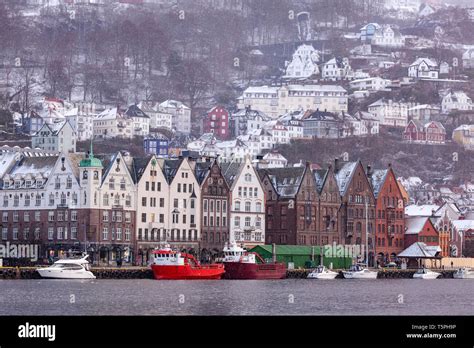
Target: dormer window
<point>39,183</point>
<point>17,184</point>
<point>6,184</point>
<point>28,183</point>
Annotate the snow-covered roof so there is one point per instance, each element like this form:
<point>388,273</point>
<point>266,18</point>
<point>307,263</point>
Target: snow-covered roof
<point>414,225</point>
<point>378,178</point>
<point>421,210</point>
<point>465,127</point>
<point>108,114</point>
<point>344,175</point>
<point>430,62</point>
<point>173,104</point>
<point>463,225</point>
<point>419,250</point>
<point>325,88</point>
<point>262,89</point>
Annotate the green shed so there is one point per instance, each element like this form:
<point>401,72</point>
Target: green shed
<point>300,255</point>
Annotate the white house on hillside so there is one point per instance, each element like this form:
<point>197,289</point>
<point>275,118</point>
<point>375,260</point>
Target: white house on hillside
<point>457,100</point>
<point>58,137</point>
<point>386,36</point>
<point>423,68</point>
<point>304,63</point>
<point>336,69</point>
<point>181,120</point>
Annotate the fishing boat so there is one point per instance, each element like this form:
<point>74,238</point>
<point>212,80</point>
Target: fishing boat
<point>463,273</point>
<point>321,272</point>
<point>425,273</point>
<point>241,264</point>
<point>171,264</point>
<point>70,268</point>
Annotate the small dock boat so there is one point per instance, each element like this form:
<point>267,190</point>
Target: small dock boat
<point>241,264</point>
<point>171,264</point>
<point>357,271</point>
<point>68,269</point>
<point>463,273</point>
<point>425,273</point>
<point>321,272</point>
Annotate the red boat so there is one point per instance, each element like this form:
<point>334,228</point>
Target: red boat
<point>241,264</point>
<point>170,264</point>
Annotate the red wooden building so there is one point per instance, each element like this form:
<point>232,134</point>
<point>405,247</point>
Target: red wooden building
<point>389,215</point>
<point>420,229</point>
<point>217,121</point>
<point>431,132</point>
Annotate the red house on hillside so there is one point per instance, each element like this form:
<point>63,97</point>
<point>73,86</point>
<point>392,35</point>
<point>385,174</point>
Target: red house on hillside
<point>431,132</point>
<point>420,229</point>
<point>217,121</point>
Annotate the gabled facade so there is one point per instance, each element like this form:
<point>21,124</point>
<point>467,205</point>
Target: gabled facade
<point>57,137</point>
<point>420,229</point>
<point>431,132</point>
<point>423,68</point>
<point>456,101</point>
<point>216,121</point>
<point>356,221</point>
<point>247,208</point>
<point>389,215</point>
<point>304,63</point>
<point>215,203</point>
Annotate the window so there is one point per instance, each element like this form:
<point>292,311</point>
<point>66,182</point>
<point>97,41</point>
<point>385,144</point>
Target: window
<point>5,201</point>
<point>175,203</point>
<point>248,177</point>
<point>51,216</point>
<point>112,184</point>
<point>247,206</point>
<point>127,234</point>
<point>205,205</point>
<point>27,200</point>
<point>105,216</point>
<point>119,233</point>
<point>162,202</point>
<point>26,216</point>
<point>122,184</point>
<point>237,206</point>
<point>237,221</point>
<point>60,233</point>
<point>224,207</point>
<point>60,215</point>
<point>105,233</point>
<point>143,201</point>
<point>38,200</point>
<point>128,217</point>
<point>73,215</point>
<point>51,199</point>
<point>247,221</point>
<point>106,199</point>
<point>128,201</point>
<point>192,203</point>
<point>68,182</point>
<point>258,222</point>
<point>4,233</point>
<point>143,217</point>
<point>37,233</point>
<point>16,201</point>
<point>15,233</point>
<point>37,216</point>
<point>26,233</point>
<point>73,232</point>
<point>57,184</point>
<point>50,233</point>
<point>15,216</point>
<point>117,200</point>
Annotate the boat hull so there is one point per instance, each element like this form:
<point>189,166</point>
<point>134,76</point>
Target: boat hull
<point>360,275</point>
<point>463,275</point>
<point>59,274</point>
<point>240,270</point>
<point>187,272</point>
<point>326,275</point>
<point>432,275</point>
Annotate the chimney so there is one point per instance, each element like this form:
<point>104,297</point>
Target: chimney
<point>369,171</point>
<point>336,165</point>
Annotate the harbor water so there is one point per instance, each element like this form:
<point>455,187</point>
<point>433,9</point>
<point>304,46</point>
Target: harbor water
<point>237,297</point>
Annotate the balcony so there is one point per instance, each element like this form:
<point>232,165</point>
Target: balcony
<point>62,206</point>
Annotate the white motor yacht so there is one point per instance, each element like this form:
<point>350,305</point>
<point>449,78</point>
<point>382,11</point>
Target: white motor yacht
<point>359,272</point>
<point>425,273</point>
<point>463,273</point>
<point>68,269</point>
<point>321,272</point>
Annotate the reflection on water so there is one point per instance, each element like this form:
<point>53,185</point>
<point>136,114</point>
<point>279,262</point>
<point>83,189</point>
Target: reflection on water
<point>236,297</point>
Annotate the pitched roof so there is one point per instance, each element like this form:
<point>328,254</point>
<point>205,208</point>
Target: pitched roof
<point>344,176</point>
<point>419,250</point>
<point>320,176</point>
<point>139,166</point>
<point>285,181</point>
<point>421,210</point>
<point>230,170</point>
<point>135,111</point>
<point>377,180</point>
<point>414,225</point>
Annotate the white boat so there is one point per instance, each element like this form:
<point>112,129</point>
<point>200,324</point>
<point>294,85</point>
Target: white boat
<point>321,272</point>
<point>68,269</point>
<point>425,273</point>
<point>359,272</point>
<point>463,273</point>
